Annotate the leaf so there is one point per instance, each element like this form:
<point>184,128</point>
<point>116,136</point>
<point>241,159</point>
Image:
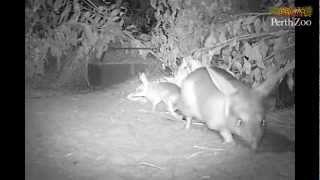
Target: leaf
<point>280,43</point>
<point>263,49</point>
<point>113,6</point>
<point>211,40</point>
<point>261,64</point>
<point>256,55</point>
<point>121,22</point>
<point>258,25</point>
<point>247,67</point>
<point>247,49</point>
<point>250,19</point>
<point>115,12</point>
<point>206,59</point>
<point>238,66</point>
<point>247,80</point>
<point>153,4</point>
<point>58,4</point>
<point>222,37</point>
<point>116,18</point>
<point>229,29</point>
<point>223,66</point>
<point>257,75</point>
<point>50,3</point>
<point>279,3</point>
<point>86,15</point>
<point>253,54</point>
<point>226,51</point>
<point>255,84</point>
<point>290,81</point>
<point>237,27</point>
<point>64,14</point>
<point>234,44</point>
<point>215,51</point>
<point>96,19</point>
<point>237,75</point>
<point>76,7</point>
<point>266,25</point>
<point>250,28</point>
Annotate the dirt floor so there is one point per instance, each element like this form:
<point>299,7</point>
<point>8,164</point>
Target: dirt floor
<point>102,135</point>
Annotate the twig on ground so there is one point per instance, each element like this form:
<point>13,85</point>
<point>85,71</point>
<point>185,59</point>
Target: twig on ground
<point>69,154</point>
<point>151,165</point>
<point>207,148</point>
<point>205,177</point>
<point>194,154</point>
<point>284,174</point>
<point>139,99</point>
<point>198,123</point>
<point>144,111</point>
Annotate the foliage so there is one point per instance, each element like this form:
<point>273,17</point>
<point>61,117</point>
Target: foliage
<point>251,48</point>
<point>62,26</point>
<point>207,31</point>
<point>244,44</point>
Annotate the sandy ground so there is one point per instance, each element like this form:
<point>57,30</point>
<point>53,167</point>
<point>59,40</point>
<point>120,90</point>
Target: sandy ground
<point>102,135</point>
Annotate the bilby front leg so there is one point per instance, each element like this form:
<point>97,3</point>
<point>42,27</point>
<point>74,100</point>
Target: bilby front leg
<point>173,113</point>
<point>227,137</point>
<point>188,122</point>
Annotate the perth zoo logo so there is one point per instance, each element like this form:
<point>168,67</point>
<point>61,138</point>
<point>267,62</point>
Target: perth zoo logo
<point>291,16</point>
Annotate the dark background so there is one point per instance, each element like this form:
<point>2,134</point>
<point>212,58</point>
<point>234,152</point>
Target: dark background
<point>307,96</point>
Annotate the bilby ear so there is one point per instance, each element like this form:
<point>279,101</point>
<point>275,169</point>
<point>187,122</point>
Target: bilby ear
<point>273,77</point>
<point>223,84</point>
<point>143,78</point>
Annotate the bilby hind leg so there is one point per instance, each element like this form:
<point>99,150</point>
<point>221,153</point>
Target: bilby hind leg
<point>155,102</point>
<point>154,106</point>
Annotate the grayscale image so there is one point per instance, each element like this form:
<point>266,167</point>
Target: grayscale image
<point>160,89</point>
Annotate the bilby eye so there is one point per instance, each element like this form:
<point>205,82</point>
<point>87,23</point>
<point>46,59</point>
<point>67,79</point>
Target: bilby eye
<point>239,122</point>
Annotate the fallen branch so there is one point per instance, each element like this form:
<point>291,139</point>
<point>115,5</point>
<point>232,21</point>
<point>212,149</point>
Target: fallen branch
<point>254,14</point>
<point>240,38</point>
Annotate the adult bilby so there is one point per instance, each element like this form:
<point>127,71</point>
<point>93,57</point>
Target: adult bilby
<point>225,104</point>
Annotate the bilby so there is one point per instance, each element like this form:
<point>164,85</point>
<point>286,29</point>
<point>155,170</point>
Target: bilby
<point>156,92</point>
<point>226,105</point>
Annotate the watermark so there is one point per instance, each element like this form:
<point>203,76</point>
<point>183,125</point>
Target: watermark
<point>305,11</point>
<point>296,16</point>
<point>292,22</point>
